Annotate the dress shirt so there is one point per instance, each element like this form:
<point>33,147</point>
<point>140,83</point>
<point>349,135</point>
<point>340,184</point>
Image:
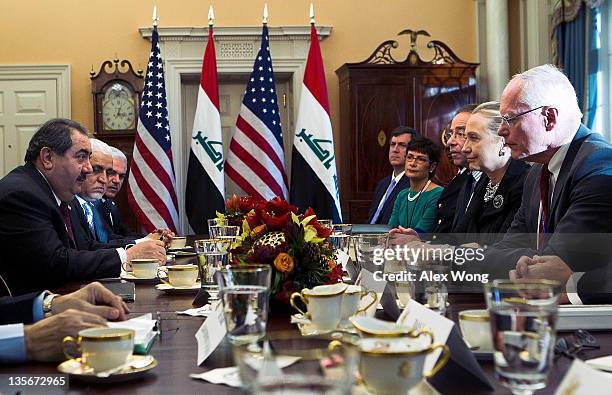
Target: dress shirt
<point>395,179</point>
<point>12,341</point>
<point>476,176</point>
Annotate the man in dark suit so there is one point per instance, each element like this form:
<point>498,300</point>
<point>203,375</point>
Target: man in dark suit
<point>37,246</point>
<point>108,208</point>
<point>49,317</point>
<point>447,203</point>
<point>387,188</point>
<point>562,229</point>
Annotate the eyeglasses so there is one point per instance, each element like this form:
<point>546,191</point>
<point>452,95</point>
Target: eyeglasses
<point>419,159</point>
<point>583,339</point>
<point>508,120</point>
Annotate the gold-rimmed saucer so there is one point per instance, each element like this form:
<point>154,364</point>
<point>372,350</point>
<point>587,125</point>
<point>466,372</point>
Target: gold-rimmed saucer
<point>172,290</point>
<point>128,276</point>
<point>186,248</point>
<point>79,371</point>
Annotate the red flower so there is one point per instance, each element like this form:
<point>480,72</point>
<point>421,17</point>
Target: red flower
<point>322,231</point>
<point>274,222</point>
<point>285,293</point>
<point>335,275</point>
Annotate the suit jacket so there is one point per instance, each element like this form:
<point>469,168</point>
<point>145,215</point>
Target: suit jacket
<point>83,236</point>
<point>579,225</point>
<point>15,310</point>
<point>379,193</point>
<point>447,203</point>
<point>490,220</point>
<point>110,213</point>
<point>35,251</point>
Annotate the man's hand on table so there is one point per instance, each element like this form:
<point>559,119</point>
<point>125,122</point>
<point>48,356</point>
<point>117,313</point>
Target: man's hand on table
<point>93,298</point>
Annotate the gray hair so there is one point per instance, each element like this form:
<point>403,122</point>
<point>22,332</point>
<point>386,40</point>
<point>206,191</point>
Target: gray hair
<point>490,112</point>
<point>100,146</point>
<point>546,85</point>
<point>117,153</point>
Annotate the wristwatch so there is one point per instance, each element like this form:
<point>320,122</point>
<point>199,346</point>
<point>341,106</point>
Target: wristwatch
<point>47,300</point>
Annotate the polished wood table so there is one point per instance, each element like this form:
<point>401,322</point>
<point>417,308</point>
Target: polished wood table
<point>176,350</point>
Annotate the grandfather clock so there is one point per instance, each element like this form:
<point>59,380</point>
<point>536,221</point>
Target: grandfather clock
<point>381,93</point>
<point>116,91</point>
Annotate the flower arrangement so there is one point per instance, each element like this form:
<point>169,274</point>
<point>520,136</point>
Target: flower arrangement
<point>295,245</point>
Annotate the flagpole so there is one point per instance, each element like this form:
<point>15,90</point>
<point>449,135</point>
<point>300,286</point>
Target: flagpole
<point>211,17</point>
<point>155,18</point>
<point>312,14</point>
<point>265,14</point>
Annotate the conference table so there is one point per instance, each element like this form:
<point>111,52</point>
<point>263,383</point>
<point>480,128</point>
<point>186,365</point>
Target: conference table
<point>175,350</point>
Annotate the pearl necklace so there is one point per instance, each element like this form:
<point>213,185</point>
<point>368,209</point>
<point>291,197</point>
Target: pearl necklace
<point>490,192</point>
<point>413,198</point>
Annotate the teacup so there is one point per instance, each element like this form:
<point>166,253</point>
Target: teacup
<point>178,242</point>
<point>476,329</point>
<point>180,276</point>
<point>324,304</point>
<point>392,367</point>
<point>102,348</point>
<point>352,299</point>
<point>144,268</point>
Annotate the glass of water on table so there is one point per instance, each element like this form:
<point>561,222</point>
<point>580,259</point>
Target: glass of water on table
<point>213,254</point>
<point>523,317</point>
<point>245,291</point>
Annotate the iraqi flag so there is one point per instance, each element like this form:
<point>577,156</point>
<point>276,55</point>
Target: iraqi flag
<point>205,178</point>
<point>314,182</point>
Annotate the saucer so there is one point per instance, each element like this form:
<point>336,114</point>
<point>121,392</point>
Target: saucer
<point>307,329</point>
<point>81,372</point>
<point>181,253</point>
<point>186,248</point>
<point>172,290</point>
<point>128,276</point>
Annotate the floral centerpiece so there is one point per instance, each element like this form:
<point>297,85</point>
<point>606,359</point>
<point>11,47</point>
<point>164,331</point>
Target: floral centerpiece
<point>295,245</point>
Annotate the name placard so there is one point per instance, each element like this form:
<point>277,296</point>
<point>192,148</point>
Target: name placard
<point>211,333</point>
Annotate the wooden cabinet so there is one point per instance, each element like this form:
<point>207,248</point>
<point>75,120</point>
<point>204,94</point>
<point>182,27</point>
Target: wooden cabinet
<point>379,94</point>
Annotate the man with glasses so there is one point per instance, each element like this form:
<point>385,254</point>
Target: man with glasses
<point>561,231</point>
<point>387,188</point>
<point>456,195</point>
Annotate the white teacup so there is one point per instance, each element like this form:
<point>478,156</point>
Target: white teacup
<point>324,304</point>
<point>476,329</point>
<point>352,299</point>
<point>180,276</point>
<point>178,242</point>
<point>102,348</point>
<point>394,367</point>
<point>143,268</point>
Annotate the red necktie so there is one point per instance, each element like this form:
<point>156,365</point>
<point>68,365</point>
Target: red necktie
<point>66,216</point>
<point>544,187</point>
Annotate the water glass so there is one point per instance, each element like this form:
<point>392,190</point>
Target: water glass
<point>340,237</point>
<point>328,223</point>
<point>212,255</point>
<point>216,222</point>
<point>523,316</point>
<point>245,291</point>
<point>224,232</point>
<point>369,248</point>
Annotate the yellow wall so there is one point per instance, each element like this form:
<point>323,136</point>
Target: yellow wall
<point>83,33</point>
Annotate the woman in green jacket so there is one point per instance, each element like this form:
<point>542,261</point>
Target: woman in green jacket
<point>415,207</point>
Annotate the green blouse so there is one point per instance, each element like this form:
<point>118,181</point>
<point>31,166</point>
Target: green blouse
<point>421,212</point>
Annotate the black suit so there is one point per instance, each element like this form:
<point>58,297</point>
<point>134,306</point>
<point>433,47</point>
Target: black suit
<point>379,193</point>
<point>447,203</point>
<point>490,220</point>
<point>579,225</point>
<point>35,251</point>
<point>83,236</point>
<point>15,310</point>
<point>110,214</point>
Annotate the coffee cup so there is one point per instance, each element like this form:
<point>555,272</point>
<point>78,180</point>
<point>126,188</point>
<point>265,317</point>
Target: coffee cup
<point>352,298</point>
<point>180,276</point>
<point>102,348</point>
<point>324,305</point>
<point>392,367</point>
<point>476,329</point>
<point>143,268</point>
<point>178,242</point>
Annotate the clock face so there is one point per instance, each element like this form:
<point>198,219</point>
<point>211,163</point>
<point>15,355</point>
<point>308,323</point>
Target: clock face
<point>118,109</point>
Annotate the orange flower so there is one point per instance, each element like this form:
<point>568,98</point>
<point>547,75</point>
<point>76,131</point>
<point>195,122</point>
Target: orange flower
<point>258,230</point>
<point>283,263</point>
<point>331,263</point>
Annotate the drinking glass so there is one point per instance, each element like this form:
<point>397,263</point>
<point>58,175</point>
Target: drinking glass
<point>224,232</point>
<point>523,318</point>
<point>215,222</point>
<point>340,239</point>
<point>369,248</point>
<point>212,255</point>
<point>245,291</point>
<point>328,223</point>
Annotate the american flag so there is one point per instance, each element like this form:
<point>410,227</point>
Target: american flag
<point>151,184</point>
<point>256,160</point>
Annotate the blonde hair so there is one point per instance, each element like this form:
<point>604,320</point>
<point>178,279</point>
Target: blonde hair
<point>490,112</point>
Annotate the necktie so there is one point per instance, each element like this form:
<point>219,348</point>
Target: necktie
<point>98,223</point>
<point>383,201</point>
<point>106,208</point>
<point>66,216</point>
<point>544,201</point>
